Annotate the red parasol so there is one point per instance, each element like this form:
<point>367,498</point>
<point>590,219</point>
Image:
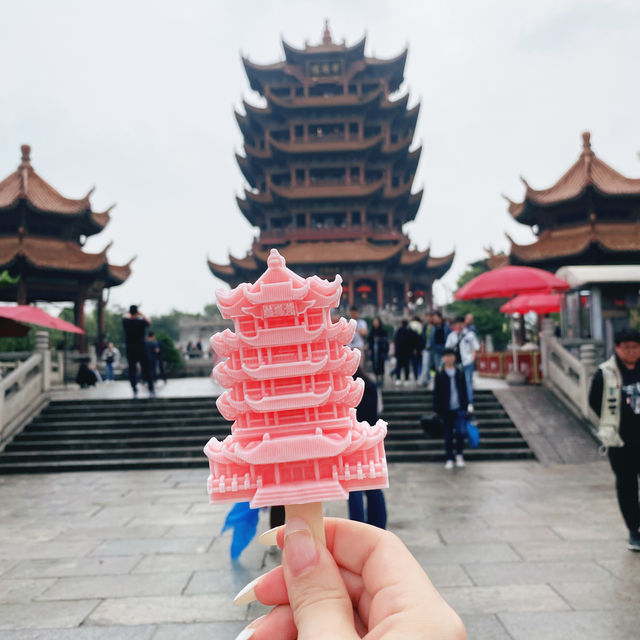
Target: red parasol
<point>505,282</point>
<point>32,315</point>
<point>538,302</point>
<point>364,288</point>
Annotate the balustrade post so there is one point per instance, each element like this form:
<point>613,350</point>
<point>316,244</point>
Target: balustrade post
<point>588,361</point>
<point>42,347</point>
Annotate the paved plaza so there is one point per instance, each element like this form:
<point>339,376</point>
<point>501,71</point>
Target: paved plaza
<point>519,549</point>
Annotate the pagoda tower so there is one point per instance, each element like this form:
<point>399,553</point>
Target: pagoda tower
<point>41,239</point>
<point>590,216</point>
<point>291,394</point>
<point>330,166</point>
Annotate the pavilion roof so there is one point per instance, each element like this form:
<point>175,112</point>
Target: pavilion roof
<point>52,254</point>
<point>334,252</point>
<point>327,191</point>
<point>26,184</point>
<point>570,241</point>
<point>588,171</point>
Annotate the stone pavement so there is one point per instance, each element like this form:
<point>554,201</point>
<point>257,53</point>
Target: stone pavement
<point>520,550</point>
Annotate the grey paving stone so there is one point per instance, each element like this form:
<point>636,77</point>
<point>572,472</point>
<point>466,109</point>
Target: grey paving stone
<point>199,631</point>
<point>22,589</point>
<point>504,573</point>
<point>83,633</point>
<point>120,586</point>
<point>97,532</point>
<point>497,599</point>
<point>206,608</point>
<point>563,550</point>
<point>585,532</point>
<point>6,564</point>
<point>159,563</point>
<point>50,549</point>
<point>572,625</point>
<point>464,553</point>
<point>221,581</point>
<point>484,627</point>
<point>34,615</point>
<point>611,593</point>
<point>152,545</point>
<point>447,575</point>
<point>73,567</point>
<point>625,566</point>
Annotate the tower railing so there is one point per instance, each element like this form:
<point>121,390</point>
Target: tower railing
<point>26,390</point>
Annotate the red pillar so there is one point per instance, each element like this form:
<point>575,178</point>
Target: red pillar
<point>79,321</point>
<point>101,343</point>
<point>351,283</point>
<point>21,292</point>
<point>380,291</point>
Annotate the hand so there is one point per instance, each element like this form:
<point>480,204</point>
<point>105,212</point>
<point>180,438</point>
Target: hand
<point>364,584</point>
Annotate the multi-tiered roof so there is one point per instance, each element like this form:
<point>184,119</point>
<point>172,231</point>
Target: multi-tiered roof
<point>41,238</point>
<point>295,436</point>
<point>330,170</point>
<point>591,215</point>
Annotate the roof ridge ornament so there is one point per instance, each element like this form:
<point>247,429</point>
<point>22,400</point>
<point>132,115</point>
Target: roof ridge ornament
<point>26,153</point>
<point>326,34</point>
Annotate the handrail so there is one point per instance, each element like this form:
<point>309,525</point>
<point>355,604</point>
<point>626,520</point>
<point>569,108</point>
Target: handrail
<point>25,390</point>
<point>567,376</point>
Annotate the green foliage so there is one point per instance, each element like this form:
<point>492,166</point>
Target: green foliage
<point>27,343</point>
<point>171,356</point>
<point>6,279</point>
<point>170,323</point>
<point>211,310</point>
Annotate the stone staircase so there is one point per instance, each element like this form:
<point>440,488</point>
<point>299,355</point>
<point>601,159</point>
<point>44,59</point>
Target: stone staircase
<point>166,433</point>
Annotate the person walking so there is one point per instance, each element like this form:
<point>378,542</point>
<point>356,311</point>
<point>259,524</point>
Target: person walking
<point>405,346</point>
<point>425,336</point>
<point>378,349</point>
<point>615,397</point>
<point>439,333</point>
<point>465,342</point>
<point>415,324</point>
<point>135,325</point>
<point>450,403</point>
<point>357,342</point>
<point>111,359</point>
<point>154,354</point>
<point>367,411</point>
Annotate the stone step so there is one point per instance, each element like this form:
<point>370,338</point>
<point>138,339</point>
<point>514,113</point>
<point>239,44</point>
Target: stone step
<point>470,455</point>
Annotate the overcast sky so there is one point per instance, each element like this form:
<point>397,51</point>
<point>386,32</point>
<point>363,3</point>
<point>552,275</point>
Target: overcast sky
<point>137,98</point>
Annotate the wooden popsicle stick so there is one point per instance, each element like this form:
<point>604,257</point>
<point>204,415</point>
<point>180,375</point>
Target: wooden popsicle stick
<point>311,513</point>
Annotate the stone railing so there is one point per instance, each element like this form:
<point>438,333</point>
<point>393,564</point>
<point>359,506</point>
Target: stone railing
<point>568,376</point>
<point>25,390</point>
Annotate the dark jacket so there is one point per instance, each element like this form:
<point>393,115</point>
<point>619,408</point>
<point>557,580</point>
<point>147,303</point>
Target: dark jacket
<point>406,343</point>
<point>378,348</point>
<point>629,421</point>
<point>367,410</point>
<point>442,392</point>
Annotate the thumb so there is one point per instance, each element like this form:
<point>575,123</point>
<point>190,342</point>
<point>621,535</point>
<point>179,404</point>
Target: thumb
<point>318,597</point>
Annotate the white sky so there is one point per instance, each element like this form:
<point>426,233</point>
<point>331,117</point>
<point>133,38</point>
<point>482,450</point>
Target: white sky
<point>137,98</point>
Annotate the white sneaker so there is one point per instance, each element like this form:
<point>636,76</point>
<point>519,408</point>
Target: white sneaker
<point>459,460</point>
<point>448,464</point>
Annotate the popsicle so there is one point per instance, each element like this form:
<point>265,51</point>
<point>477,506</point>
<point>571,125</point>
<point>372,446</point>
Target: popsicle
<point>295,439</point>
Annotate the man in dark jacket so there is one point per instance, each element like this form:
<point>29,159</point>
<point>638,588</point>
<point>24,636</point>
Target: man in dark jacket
<point>406,344</point>
<point>135,325</point>
<point>450,402</point>
<point>615,397</point>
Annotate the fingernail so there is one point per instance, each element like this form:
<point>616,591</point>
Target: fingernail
<point>249,630</point>
<point>269,538</point>
<point>247,593</point>
<point>300,553</point>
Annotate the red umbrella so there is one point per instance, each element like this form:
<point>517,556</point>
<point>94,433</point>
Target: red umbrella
<point>32,315</point>
<point>363,288</point>
<point>505,282</point>
<point>538,302</point>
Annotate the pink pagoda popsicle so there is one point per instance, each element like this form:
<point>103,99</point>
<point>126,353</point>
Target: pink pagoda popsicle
<point>295,437</point>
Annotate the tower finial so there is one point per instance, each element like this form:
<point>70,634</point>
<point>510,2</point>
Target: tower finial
<point>326,35</point>
<point>586,142</point>
<point>26,153</point>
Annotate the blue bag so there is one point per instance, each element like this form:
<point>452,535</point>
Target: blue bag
<point>244,522</point>
<point>473,435</point>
